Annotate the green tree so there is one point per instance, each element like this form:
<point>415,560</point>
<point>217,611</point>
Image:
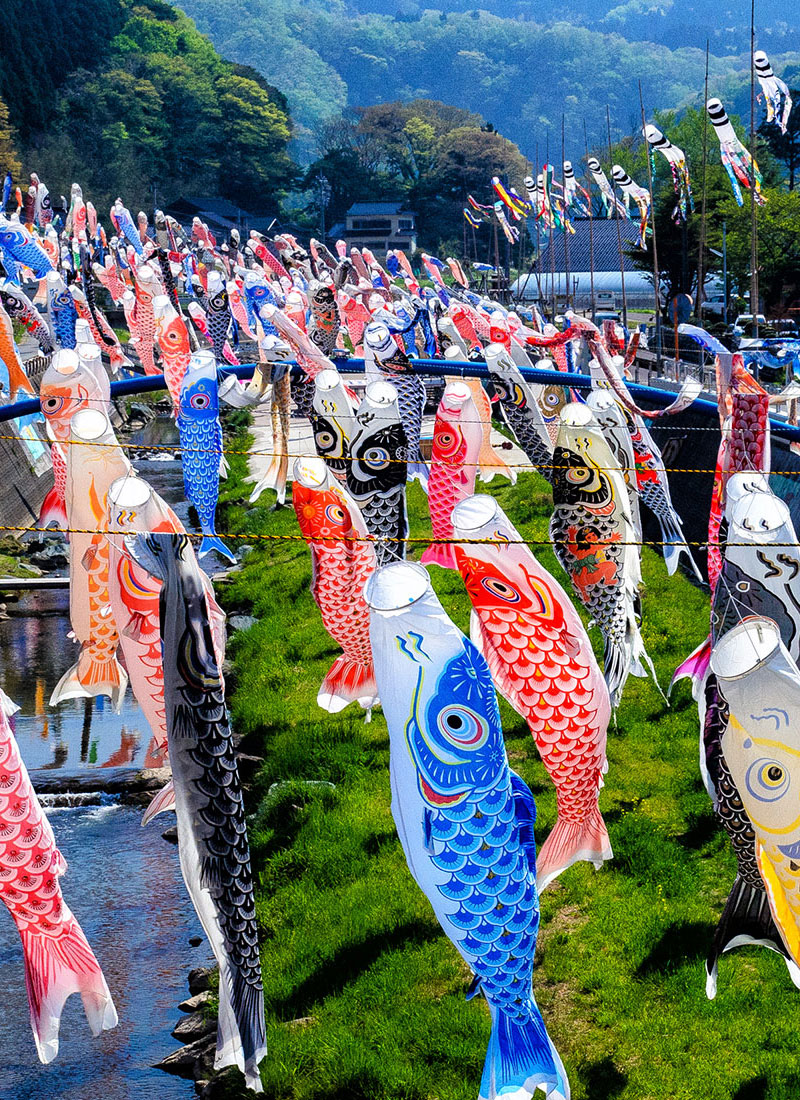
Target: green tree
<point>778,246</point>
<point>9,157</point>
<point>158,112</point>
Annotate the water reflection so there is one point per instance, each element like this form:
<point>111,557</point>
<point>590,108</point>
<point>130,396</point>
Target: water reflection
<point>124,885</point>
<point>36,650</point>
<point>123,882</point>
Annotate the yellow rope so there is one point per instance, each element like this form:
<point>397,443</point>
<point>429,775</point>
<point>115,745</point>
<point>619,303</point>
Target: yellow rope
<point>409,541</point>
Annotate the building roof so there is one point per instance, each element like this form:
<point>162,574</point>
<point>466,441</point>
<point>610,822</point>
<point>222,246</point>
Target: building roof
<point>360,209</point>
<point>606,247</point>
<point>209,204</point>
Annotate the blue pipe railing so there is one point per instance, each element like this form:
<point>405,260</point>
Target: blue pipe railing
<point>437,367</point>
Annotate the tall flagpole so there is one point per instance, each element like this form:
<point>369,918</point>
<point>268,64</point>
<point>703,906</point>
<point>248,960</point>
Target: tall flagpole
<point>566,216</point>
<point>702,248</point>
<point>753,217</point>
<point>656,272</point>
<point>619,231</point>
<point>591,221</point>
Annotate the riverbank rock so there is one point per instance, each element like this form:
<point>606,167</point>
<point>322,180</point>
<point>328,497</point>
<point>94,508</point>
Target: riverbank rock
<point>200,979</point>
<point>194,1027</point>
<point>194,1061</point>
<point>52,556</point>
<point>192,1004</point>
<point>133,786</point>
<point>241,622</point>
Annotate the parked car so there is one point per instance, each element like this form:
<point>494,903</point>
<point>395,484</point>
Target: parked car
<point>713,306</point>
<point>605,315</point>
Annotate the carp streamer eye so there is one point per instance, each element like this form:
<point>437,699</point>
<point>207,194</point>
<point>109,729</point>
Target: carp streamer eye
<point>200,400</point>
<point>743,586</point>
<point>461,726</point>
<point>518,397</point>
<point>766,780</point>
<point>376,458</point>
<point>447,442</point>
<point>52,405</point>
<point>500,589</point>
<point>325,440</point>
<point>335,513</point>
<point>579,475</point>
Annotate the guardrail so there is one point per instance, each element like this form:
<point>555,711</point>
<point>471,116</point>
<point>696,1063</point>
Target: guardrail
<point>441,368</point>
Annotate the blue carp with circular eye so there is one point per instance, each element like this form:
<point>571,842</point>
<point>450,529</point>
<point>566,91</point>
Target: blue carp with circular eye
<point>23,248</point>
<point>478,842</point>
<point>64,314</point>
<point>201,447</point>
<point>256,295</point>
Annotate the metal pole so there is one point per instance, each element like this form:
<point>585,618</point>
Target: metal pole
<point>656,272</point>
<point>619,231</point>
<point>698,301</point>
<point>566,216</point>
<point>591,222</point>
<point>753,218</point>
<point>725,272</point>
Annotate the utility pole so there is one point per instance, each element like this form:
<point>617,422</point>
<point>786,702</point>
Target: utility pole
<point>656,272</point>
<point>619,231</point>
<point>753,217</point>
<point>701,249</point>
<point>591,222</point>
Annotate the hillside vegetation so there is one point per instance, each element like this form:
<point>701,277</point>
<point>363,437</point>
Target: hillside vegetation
<point>126,97</point>
<point>519,65</point>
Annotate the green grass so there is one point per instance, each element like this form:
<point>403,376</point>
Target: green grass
<point>364,994</point>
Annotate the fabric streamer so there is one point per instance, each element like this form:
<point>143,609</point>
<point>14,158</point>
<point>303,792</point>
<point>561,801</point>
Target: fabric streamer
<point>776,94</point>
<point>459,811</point>
<point>743,171</point>
<point>542,662</point>
<point>676,159</point>
<point>343,561</point>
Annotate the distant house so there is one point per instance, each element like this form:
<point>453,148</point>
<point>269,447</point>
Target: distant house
<point>378,226</point>
<point>220,215</point>
<point>604,243</point>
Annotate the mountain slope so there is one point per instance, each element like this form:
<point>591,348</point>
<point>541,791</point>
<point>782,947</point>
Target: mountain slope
<point>519,74</point>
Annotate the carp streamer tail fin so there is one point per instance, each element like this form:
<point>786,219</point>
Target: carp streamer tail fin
<point>571,841</point>
<point>419,472</point>
<point>746,919</point>
<point>53,510</point>
<point>214,542</point>
<point>348,681</point>
<point>491,465</point>
<point>241,1039</point>
<point>273,478</point>
<point>675,545</point>
<point>521,1057</point>
<point>91,676</point>
<point>694,668</point>
<point>161,801</point>
<point>440,553</point>
<point>56,967</point>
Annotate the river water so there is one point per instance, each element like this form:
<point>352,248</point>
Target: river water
<point>123,882</point>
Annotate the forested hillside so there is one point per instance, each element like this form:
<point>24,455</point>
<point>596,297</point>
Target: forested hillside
<point>126,96</point>
<point>519,65</point>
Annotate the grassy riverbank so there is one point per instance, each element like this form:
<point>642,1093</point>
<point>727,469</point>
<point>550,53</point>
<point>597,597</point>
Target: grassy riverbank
<point>365,996</point>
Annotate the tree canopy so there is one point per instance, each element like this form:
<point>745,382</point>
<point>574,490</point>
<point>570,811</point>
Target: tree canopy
<point>155,111</point>
<point>520,64</point>
<point>427,153</point>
